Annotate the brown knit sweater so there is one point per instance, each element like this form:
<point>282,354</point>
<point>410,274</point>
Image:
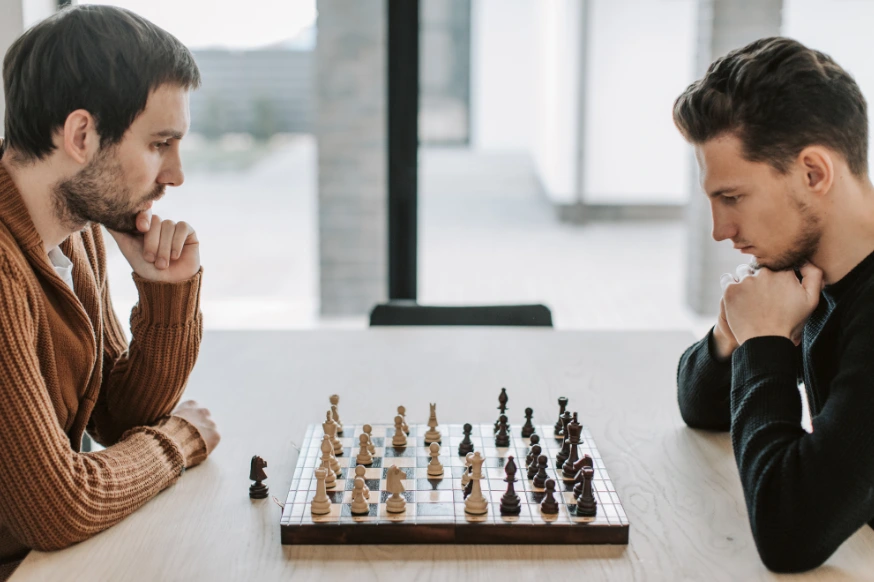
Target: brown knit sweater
<point>65,365</point>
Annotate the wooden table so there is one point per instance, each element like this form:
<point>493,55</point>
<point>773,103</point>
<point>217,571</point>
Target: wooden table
<point>679,487</point>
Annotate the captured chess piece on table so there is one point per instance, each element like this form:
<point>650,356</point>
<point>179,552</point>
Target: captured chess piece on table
<point>256,473</point>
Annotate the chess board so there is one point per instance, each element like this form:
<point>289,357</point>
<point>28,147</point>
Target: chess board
<point>435,506</point>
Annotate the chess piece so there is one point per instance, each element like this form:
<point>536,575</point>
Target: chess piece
<point>541,476</point>
<point>549,505</point>
<point>585,461</point>
<point>360,470</point>
<point>469,487</point>
<point>327,453</point>
<point>502,406</point>
<point>586,504</point>
<point>502,439</point>
<point>465,476</point>
<point>510,502</point>
<point>335,403</point>
<point>359,501</point>
<point>330,428</point>
<point>433,435</point>
<point>466,445</point>
<point>321,503</point>
<point>400,437</point>
<point>532,456</point>
<point>257,490</point>
<point>367,429</point>
<point>574,428</point>
<point>403,412</point>
<point>528,427</point>
<point>396,503</point>
<point>562,404</point>
<point>435,469</point>
<point>533,463</point>
<point>564,452</point>
<point>476,503</point>
<point>364,457</point>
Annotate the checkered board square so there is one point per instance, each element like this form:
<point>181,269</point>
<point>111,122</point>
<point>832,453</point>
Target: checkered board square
<point>435,506</point>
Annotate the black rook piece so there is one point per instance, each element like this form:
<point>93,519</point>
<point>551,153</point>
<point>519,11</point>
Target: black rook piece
<point>510,502</point>
<point>532,461</point>
<point>465,446</point>
<point>585,461</point>
<point>541,476</point>
<point>549,504</point>
<point>564,452</point>
<point>574,428</point>
<point>586,505</point>
<point>502,406</point>
<point>528,427</point>
<point>256,473</point>
<point>562,404</point>
<point>502,439</point>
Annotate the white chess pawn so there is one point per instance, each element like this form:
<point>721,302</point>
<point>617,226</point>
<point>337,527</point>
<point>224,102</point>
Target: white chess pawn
<point>335,403</point>
<point>396,503</point>
<point>403,412</point>
<point>331,477</point>
<point>364,457</point>
<point>433,435</point>
<point>435,469</point>
<point>400,438</point>
<point>359,472</point>
<point>476,503</point>
<point>321,503</point>
<point>359,501</point>
<point>368,430</point>
<point>330,428</point>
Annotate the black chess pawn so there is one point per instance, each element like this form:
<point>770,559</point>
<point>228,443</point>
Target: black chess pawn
<point>562,404</point>
<point>533,456</point>
<point>574,428</point>
<point>510,502</point>
<point>549,505</point>
<point>257,490</point>
<point>565,450</point>
<point>585,461</point>
<point>541,476</point>
<point>502,406</point>
<point>586,504</point>
<point>528,427</point>
<point>465,446</point>
<point>502,439</point>
<point>534,440</point>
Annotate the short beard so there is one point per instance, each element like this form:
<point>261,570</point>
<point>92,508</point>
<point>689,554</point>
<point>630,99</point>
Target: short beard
<point>803,247</point>
<point>97,194</point>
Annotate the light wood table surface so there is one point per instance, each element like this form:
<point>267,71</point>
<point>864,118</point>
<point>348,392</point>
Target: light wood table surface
<point>679,486</point>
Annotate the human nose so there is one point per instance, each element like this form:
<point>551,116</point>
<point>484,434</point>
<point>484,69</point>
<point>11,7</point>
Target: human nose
<point>172,174</point>
<point>722,228</point>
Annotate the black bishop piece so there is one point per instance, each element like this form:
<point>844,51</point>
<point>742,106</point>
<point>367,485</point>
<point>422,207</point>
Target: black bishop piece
<point>528,427</point>
<point>586,504</point>
<point>465,446</point>
<point>533,456</point>
<point>502,439</point>
<point>565,450</point>
<point>562,405</point>
<point>502,406</point>
<point>574,429</point>
<point>510,502</point>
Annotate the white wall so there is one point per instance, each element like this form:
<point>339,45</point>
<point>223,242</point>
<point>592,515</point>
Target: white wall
<point>843,30</point>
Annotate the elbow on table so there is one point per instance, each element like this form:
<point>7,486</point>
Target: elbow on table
<point>58,533</point>
<point>791,553</point>
<point>695,419</point>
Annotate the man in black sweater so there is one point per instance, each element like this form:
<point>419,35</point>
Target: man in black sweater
<point>781,136</point>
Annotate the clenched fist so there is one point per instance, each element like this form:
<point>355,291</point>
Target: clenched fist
<point>166,251</point>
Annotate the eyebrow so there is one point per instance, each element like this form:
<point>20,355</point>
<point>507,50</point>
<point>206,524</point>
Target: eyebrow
<point>174,133</point>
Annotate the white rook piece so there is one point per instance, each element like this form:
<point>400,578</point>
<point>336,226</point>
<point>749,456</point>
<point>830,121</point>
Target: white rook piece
<point>476,503</point>
<point>331,477</point>
<point>433,435</point>
<point>335,403</point>
<point>321,503</point>
<point>396,503</point>
<point>364,457</point>
<point>400,437</point>
<point>435,469</point>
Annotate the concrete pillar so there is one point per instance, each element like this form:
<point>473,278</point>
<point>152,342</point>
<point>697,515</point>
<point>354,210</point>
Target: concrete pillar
<point>723,25</point>
<point>351,129</point>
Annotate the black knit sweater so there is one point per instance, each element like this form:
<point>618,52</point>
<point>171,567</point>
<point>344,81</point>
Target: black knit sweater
<point>805,492</point>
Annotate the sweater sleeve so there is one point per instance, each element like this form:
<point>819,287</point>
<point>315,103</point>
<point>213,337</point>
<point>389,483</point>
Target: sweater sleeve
<point>806,493</point>
<point>50,495</point>
<point>704,387</point>
<point>145,381</point>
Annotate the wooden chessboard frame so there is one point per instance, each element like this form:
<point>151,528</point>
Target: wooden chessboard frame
<point>435,507</point>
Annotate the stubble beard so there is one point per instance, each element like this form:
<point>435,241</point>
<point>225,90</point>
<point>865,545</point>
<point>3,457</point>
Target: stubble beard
<point>801,250</point>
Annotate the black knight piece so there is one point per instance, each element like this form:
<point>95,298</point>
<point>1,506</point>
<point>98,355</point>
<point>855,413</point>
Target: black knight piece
<point>586,504</point>
<point>533,457</point>
<point>574,428</point>
<point>502,439</point>
<point>541,476</point>
<point>549,505</point>
<point>510,502</point>
<point>564,452</point>
<point>465,446</point>
<point>256,473</point>
<point>585,461</point>
<point>562,405</point>
<point>502,406</point>
<point>528,427</point>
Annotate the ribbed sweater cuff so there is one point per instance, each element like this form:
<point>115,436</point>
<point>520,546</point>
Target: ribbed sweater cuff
<point>771,358</point>
<point>186,437</point>
<point>168,303</point>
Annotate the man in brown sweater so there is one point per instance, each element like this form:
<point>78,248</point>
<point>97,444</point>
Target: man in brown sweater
<point>96,104</point>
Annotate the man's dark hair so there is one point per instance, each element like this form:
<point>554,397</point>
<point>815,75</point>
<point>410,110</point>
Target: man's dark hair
<point>102,59</point>
<point>778,97</point>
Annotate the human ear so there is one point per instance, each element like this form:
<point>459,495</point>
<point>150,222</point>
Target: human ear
<point>80,140</point>
<point>818,166</point>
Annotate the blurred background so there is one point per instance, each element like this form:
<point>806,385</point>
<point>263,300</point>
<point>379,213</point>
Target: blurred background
<point>549,169</point>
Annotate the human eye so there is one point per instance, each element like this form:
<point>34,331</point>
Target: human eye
<point>730,200</point>
<point>161,145</point>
